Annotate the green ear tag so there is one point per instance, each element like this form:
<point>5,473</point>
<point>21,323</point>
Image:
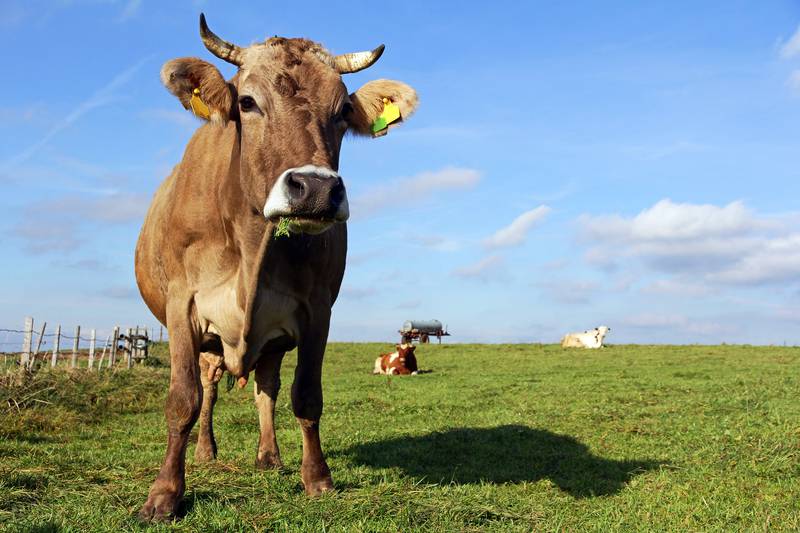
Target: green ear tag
<point>390,113</point>
<point>379,124</point>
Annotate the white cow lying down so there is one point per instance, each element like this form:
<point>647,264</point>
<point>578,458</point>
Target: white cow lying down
<point>592,338</point>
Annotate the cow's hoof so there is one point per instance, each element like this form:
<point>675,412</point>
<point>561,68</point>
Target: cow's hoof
<point>316,488</point>
<point>160,507</point>
<point>316,479</point>
<point>205,451</point>
<point>269,461</point>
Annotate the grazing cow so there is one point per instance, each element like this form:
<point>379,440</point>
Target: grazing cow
<point>236,294</point>
<point>592,338</point>
<point>401,362</point>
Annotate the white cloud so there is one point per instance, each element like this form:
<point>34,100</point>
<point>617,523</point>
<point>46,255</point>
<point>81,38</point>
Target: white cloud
<point>667,220</point>
<point>484,270</point>
<point>715,244</point>
<point>775,260</point>
<point>791,47</point>
<point>514,234</point>
<point>415,188</point>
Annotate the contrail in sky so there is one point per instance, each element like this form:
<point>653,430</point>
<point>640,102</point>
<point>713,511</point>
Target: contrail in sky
<point>101,97</point>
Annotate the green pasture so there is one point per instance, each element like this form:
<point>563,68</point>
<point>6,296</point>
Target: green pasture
<point>493,438</point>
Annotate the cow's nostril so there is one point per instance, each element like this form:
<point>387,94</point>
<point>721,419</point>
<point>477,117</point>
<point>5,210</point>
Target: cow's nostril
<point>337,192</point>
<point>295,186</point>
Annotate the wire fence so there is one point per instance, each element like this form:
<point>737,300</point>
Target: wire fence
<point>63,335</point>
<point>32,347</point>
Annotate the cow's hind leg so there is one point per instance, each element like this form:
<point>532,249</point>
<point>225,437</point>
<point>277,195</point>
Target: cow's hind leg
<point>210,374</point>
<point>182,409</point>
<point>265,391</point>
<point>307,406</point>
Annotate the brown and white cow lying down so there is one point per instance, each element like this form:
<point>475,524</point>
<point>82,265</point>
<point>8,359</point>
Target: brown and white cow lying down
<point>236,296</point>
<point>401,362</point>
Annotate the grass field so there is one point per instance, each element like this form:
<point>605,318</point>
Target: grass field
<point>495,437</point>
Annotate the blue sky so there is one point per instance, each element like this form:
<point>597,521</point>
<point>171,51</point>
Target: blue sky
<point>572,164</point>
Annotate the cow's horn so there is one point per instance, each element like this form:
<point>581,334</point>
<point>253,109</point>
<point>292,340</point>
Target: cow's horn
<point>219,47</point>
<point>348,63</point>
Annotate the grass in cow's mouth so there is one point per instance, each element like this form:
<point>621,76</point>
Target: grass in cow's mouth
<point>628,438</point>
<point>282,227</point>
<point>288,225</point>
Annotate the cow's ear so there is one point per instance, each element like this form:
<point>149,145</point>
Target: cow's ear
<point>370,101</point>
<point>200,87</point>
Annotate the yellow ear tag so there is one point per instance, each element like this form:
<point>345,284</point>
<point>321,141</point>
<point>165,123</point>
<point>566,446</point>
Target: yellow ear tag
<point>390,113</point>
<point>199,107</point>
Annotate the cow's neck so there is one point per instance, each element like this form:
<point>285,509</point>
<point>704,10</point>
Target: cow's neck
<point>246,230</point>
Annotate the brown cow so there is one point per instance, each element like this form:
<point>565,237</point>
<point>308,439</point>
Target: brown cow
<point>235,296</point>
<point>401,362</point>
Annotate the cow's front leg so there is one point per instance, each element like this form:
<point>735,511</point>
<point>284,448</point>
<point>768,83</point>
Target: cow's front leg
<point>210,374</point>
<point>265,391</point>
<point>182,409</point>
<point>307,406</point>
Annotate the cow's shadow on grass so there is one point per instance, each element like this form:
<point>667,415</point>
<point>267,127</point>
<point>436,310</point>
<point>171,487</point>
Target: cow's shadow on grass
<point>503,454</point>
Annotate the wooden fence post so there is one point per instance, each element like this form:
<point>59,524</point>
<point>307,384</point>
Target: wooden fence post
<point>161,334</point>
<point>135,342</point>
<point>129,346</point>
<point>114,342</point>
<point>56,347</point>
<point>25,356</point>
<point>75,346</point>
<point>38,347</point>
<point>92,343</point>
<point>103,355</point>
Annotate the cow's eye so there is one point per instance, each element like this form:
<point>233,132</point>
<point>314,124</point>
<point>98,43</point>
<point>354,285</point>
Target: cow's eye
<point>247,103</point>
<point>344,114</point>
